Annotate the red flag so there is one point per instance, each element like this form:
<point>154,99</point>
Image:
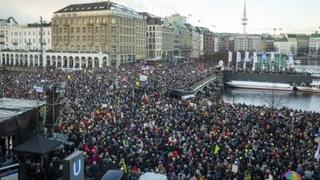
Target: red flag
<point>125,78</point>
<point>145,99</point>
<point>201,67</point>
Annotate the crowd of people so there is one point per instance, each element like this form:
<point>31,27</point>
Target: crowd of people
<point>123,123</point>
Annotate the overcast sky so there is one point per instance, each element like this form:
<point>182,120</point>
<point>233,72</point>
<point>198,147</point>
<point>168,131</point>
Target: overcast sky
<point>300,16</point>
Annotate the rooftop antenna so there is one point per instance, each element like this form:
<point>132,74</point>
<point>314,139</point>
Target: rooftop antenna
<point>244,19</point>
<point>109,3</point>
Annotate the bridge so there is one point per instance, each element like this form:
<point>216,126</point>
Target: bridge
<point>206,83</point>
<point>197,87</point>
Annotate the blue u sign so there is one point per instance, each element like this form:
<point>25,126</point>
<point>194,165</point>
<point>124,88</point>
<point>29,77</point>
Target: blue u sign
<point>74,166</point>
<point>77,169</point>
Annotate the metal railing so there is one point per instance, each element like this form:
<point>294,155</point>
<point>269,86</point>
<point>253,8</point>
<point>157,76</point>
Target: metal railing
<point>204,82</point>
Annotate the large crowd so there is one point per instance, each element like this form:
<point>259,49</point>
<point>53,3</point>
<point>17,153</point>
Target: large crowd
<point>123,123</point>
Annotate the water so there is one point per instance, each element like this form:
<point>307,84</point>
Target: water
<point>293,100</point>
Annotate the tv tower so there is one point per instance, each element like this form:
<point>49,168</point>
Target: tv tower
<point>244,19</point>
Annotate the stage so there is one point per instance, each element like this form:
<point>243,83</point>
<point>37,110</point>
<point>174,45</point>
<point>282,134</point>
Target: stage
<point>18,118</point>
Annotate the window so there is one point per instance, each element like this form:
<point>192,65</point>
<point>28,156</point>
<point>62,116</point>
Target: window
<point>114,39</point>
<point>78,30</point>
<point>114,48</point>
<point>113,29</point>
<point>84,29</point>
<point>113,20</point>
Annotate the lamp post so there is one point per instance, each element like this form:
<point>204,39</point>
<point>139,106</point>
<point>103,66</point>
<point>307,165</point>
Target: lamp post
<point>279,52</point>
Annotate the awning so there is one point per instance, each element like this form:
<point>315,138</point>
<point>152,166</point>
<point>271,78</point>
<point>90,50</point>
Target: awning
<point>38,145</point>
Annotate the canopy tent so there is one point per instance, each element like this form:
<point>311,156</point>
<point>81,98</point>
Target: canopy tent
<point>38,145</point>
<point>113,175</point>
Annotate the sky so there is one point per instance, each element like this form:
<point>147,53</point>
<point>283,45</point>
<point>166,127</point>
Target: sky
<point>294,16</point>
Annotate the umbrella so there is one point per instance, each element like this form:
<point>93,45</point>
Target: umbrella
<point>292,175</point>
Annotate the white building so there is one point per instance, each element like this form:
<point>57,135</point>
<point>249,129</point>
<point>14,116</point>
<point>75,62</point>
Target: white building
<point>54,59</point>
<point>217,44</point>
<point>27,37</point>
<point>5,25</point>
<point>282,46</point>
<point>247,43</point>
<point>314,45</point>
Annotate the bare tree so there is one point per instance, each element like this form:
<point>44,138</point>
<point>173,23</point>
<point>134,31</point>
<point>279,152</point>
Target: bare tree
<point>273,100</point>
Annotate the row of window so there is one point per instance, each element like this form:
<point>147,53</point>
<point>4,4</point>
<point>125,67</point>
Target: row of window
<point>92,29</point>
<point>29,33</point>
<point>154,28</point>
<point>123,39</point>
<point>123,49</point>
<point>84,21</point>
<point>28,41</point>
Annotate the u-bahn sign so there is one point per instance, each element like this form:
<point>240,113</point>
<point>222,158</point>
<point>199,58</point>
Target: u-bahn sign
<point>73,166</point>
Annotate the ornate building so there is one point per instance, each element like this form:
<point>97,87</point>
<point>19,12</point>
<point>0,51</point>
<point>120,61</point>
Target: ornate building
<point>104,27</point>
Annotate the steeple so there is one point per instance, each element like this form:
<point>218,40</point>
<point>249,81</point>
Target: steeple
<point>244,19</point>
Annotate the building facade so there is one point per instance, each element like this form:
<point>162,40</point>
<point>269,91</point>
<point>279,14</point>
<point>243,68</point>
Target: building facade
<point>159,43</point>
<point>217,44</point>
<point>208,43</point>
<point>167,43</point>
<point>5,26</point>
<point>266,45</point>
<point>302,44</point>
<point>196,41</point>
<point>292,43</point>
<point>28,37</point>
<point>182,40</point>
<point>247,43</point>
<point>104,27</point>
<point>54,59</point>
<point>282,45</point>
<point>314,45</point>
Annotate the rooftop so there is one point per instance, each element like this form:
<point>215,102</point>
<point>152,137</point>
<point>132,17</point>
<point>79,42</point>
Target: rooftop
<point>12,107</point>
<point>316,35</point>
<point>97,6</point>
<point>9,21</point>
<point>39,25</point>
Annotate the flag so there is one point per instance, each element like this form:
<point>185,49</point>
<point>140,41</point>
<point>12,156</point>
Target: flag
<point>317,155</point>
<point>145,99</point>
<point>125,78</point>
<point>255,57</point>
<point>264,58</point>
<point>200,67</point>
<point>217,148</point>
<point>290,58</point>
<point>246,59</point>
<point>229,56</point>
<point>238,56</point>
<point>272,56</point>
<point>138,83</point>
